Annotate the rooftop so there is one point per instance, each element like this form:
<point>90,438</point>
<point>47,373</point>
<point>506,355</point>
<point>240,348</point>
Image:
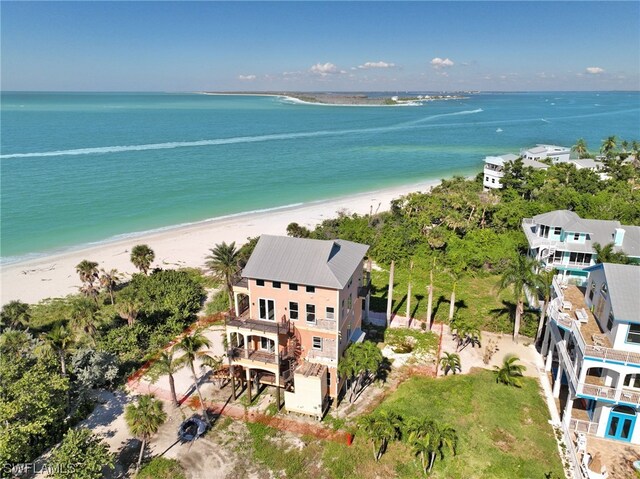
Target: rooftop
<point>622,283</point>
<point>323,263</point>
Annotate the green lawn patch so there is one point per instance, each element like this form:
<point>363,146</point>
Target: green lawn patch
<point>503,431</point>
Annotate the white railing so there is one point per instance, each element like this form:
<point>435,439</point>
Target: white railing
<point>609,354</point>
<point>575,470</point>
<point>627,396</point>
<point>586,427</point>
<point>565,360</point>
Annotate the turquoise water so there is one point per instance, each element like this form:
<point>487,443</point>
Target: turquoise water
<point>79,168</point>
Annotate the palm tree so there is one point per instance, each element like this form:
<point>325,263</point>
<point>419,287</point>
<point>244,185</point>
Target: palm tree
<point>108,281</point>
<point>427,439</point>
<point>606,254</point>
<point>15,314</point>
<point>144,420</point>
<point>223,262</point>
<point>545,284</point>
<point>15,342</point>
<point>467,334</point>
<point>455,274</point>
<point>510,373</point>
<point>519,276</point>
<point>430,289</point>
<point>61,341</point>
<point>128,308</point>
<point>166,364</point>
<point>381,427</point>
<point>142,256</point>
<point>608,145</point>
<point>450,362</point>
<point>83,317</point>
<point>192,347</point>
<point>87,270</point>
<point>581,148</point>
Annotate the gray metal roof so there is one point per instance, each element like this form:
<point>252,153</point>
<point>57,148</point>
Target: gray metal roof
<point>534,164</point>
<point>623,282</point>
<point>508,157</point>
<point>322,263</point>
<point>631,242</point>
<point>556,218</point>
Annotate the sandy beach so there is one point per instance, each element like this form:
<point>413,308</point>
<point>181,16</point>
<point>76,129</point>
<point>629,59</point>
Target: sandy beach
<point>55,275</point>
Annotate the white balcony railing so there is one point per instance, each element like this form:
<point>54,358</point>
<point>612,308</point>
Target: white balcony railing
<point>618,395</point>
<point>586,427</point>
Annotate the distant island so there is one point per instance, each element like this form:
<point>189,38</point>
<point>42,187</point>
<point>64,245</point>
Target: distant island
<point>353,99</point>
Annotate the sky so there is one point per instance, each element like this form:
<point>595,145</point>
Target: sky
<point>319,46</point>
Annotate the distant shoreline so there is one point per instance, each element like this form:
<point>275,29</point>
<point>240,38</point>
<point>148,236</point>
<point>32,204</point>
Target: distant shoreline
<point>344,99</point>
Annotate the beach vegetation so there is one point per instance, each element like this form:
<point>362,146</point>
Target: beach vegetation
<point>94,369</point>
<point>450,362</point>
<point>61,341</point>
<point>162,468</point>
<point>144,419</point>
<point>381,428</point>
<point>297,231</point>
<point>81,455</point>
<point>166,364</point>
<point>15,314</point>
<point>109,281</point>
<point>142,256</point>
<point>510,373</point>
<point>360,366</point>
<point>224,264</point>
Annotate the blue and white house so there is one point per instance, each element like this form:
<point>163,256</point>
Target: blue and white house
<point>591,346</point>
<point>562,240</point>
<point>494,168</point>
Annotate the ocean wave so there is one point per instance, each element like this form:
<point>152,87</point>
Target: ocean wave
<point>225,141</point>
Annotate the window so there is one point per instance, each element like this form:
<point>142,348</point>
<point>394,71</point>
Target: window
<point>267,344</point>
<point>317,343</point>
<point>634,334</point>
<point>349,303</point>
<point>576,236</point>
<point>293,287</point>
<point>259,282</point>
<point>610,322</point>
<point>493,180</point>
<point>349,283</point>
<point>632,380</point>
<point>557,256</point>
<point>331,313</point>
<point>557,231</point>
<point>311,313</point>
<point>293,310</point>
<point>328,381</point>
<point>604,289</point>
<point>544,231</point>
<point>486,178</point>
<point>592,290</point>
<point>311,289</point>
<point>267,309</point>
<point>276,284</point>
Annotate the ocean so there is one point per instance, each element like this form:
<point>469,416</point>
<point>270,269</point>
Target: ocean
<point>83,168</point>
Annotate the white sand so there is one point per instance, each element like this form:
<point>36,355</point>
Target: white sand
<point>55,276</point>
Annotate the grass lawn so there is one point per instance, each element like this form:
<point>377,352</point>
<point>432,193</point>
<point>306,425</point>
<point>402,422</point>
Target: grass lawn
<point>478,298</point>
<point>503,431</point>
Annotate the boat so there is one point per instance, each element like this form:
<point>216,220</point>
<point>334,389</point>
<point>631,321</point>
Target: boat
<point>499,130</point>
<point>191,429</point>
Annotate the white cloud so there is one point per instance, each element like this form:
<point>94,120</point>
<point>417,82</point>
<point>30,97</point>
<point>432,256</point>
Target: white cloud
<point>246,77</point>
<point>594,70</point>
<point>380,64</point>
<point>324,69</point>
<point>439,63</point>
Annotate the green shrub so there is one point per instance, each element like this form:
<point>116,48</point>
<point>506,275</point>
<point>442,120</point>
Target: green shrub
<point>162,468</point>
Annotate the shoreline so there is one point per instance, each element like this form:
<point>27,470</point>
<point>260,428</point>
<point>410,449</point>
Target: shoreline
<point>355,101</point>
<point>178,246</point>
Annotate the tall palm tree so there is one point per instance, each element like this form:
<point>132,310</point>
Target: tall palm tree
<point>450,362</point>
<point>192,347</point>
<point>430,290</point>
<point>455,274</point>
<point>61,341</point>
<point>511,372</point>
<point>606,254</point>
<point>144,419</point>
<point>545,282</point>
<point>519,276</point>
<point>15,314</point>
<point>142,256</point>
<point>87,270</point>
<point>581,148</point>
<point>128,308</point>
<point>381,427</point>
<point>108,281</point>
<point>427,439</point>
<point>223,262</point>
<point>609,145</point>
<point>166,364</point>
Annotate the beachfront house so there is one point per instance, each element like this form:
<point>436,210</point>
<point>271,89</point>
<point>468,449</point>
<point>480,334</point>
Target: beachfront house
<point>562,240</point>
<point>494,168</point>
<point>592,349</point>
<point>299,304</point>
<point>553,153</point>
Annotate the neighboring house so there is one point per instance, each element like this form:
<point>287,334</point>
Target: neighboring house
<point>562,240</point>
<point>592,348</point>
<point>298,306</point>
<point>494,168</point>
<point>556,154</point>
<point>590,164</point>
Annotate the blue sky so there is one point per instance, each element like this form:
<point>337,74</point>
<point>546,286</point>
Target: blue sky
<point>357,46</point>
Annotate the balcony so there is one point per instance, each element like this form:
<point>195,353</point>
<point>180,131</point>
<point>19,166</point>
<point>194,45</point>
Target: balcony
<point>325,357</point>
<point>585,427</point>
<point>258,325</point>
<point>325,324</point>
<point>606,393</point>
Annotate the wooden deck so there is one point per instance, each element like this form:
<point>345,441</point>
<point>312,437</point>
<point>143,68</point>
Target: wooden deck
<point>591,332</point>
